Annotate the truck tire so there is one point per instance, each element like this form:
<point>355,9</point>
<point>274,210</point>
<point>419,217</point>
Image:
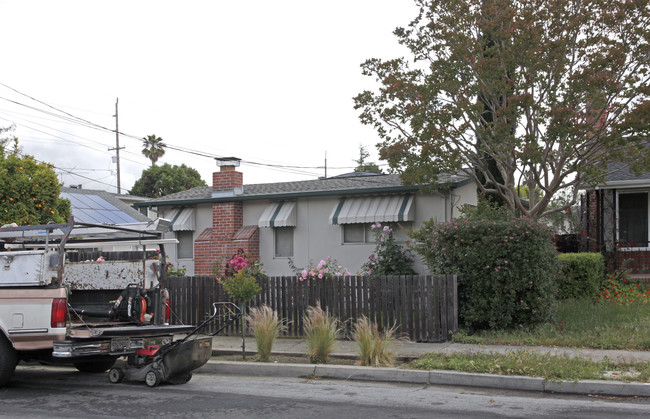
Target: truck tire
<point>8,360</point>
<point>95,366</point>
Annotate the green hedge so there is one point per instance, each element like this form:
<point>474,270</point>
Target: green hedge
<point>582,274</point>
<point>506,269</point>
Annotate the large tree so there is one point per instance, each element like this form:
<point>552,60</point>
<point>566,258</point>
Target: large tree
<point>153,148</point>
<point>158,181</point>
<point>548,92</point>
<point>29,190</point>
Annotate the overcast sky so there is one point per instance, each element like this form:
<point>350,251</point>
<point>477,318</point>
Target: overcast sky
<point>268,81</point>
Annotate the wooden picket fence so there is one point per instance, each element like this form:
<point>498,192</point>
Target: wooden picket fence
<point>423,308</point>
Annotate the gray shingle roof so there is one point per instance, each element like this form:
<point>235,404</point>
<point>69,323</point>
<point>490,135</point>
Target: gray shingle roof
<point>620,172</point>
<point>339,185</point>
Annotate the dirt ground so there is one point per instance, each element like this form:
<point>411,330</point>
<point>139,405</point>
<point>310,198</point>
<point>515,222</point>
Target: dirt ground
<point>286,359</point>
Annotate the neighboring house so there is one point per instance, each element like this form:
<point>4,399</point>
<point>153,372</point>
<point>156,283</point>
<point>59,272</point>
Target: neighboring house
<point>615,219</point>
<point>101,207</point>
<point>302,221</point>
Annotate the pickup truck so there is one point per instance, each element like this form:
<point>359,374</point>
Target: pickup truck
<point>71,294</point>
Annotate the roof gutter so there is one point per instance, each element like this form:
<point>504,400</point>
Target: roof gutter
<point>294,195</point>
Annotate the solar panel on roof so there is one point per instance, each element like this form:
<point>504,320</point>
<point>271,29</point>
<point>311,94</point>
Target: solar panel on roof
<point>102,203</point>
<point>94,209</point>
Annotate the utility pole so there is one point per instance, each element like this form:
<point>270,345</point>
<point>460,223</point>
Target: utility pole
<point>117,147</point>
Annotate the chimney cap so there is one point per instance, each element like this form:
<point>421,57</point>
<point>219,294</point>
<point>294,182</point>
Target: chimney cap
<point>227,161</point>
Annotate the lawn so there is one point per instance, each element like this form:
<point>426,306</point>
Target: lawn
<point>579,324</point>
<point>530,363</point>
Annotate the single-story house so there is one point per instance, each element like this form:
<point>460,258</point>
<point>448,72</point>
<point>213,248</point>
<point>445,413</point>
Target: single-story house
<point>615,219</point>
<point>303,221</point>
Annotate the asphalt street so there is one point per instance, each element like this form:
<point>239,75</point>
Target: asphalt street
<point>46,392</point>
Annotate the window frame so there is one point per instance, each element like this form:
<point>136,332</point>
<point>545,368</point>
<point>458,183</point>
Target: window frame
<point>618,219</point>
<point>275,242</point>
<point>399,234</point>
<point>183,236</point>
<point>367,238</point>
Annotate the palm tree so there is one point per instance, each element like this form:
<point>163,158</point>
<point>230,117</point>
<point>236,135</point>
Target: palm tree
<point>153,148</point>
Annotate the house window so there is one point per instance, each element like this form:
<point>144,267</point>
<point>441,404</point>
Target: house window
<point>185,246</point>
<point>633,219</point>
<point>283,237</point>
<point>357,233</point>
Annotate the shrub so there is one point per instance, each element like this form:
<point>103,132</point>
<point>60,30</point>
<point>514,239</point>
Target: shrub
<point>506,268</point>
<point>321,331</point>
<point>266,327</point>
<point>325,269</point>
<point>242,286</point>
<point>175,271</point>
<point>236,263</point>
<point>373,345</point>
<point>620,288</point>
<point>582,274</point>
<point>389,258</point>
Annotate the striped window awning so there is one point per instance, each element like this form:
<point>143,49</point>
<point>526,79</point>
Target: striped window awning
<point>375,208</point>
<point>182,220</point>
<point>279,214</point>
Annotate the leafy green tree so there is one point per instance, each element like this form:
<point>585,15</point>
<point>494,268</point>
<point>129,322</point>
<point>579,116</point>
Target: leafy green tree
<point>362,165</point>
<point>29,191</point>
<point>158,181</point>
<point>571,77</point>
<point>153,148</point>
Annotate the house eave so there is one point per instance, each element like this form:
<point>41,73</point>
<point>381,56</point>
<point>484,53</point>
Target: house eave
<point>294,195</point>
<point>622,184</point>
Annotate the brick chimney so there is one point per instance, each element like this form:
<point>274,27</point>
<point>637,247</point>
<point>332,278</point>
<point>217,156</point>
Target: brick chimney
<point>227,178</point>
<point>227,233</point>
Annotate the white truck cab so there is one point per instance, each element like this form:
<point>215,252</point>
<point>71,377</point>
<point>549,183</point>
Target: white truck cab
<point>60,301</point>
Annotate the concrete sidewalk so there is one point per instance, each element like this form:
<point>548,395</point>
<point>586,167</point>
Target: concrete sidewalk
<point>406,350</point>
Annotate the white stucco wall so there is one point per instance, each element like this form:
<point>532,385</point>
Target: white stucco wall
<point>203,220</point>
<point>315,238</point>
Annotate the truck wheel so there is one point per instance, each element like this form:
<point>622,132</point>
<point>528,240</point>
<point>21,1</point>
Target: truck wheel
<point>95,366</point>
<point>152,379</point>
<point>115,375</point>
<point>8,360</point>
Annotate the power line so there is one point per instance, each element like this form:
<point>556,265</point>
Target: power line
<point>64,170</point>
<point>85,123</point>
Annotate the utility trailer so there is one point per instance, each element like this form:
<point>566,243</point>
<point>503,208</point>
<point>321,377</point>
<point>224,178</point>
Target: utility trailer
<point>71,293</point>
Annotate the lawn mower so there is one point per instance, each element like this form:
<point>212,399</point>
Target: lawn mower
<point>173,362</point>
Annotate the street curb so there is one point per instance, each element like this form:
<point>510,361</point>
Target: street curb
<point>437,377</point>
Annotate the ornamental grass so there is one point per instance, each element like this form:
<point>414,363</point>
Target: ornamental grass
<point>266,326</point>
<point>321,331</point>
<point>373,345</point>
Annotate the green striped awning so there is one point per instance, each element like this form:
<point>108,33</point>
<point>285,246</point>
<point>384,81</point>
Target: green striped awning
<point>182,220</point>
<point>374,208</point>
<point>279,214</point>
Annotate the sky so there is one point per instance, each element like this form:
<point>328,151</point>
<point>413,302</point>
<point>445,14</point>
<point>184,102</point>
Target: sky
<point>269,82</point>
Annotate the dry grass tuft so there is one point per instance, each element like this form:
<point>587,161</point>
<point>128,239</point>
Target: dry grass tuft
<point>373,345</point>
<point>321,331</point>
<point>266,327</point>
